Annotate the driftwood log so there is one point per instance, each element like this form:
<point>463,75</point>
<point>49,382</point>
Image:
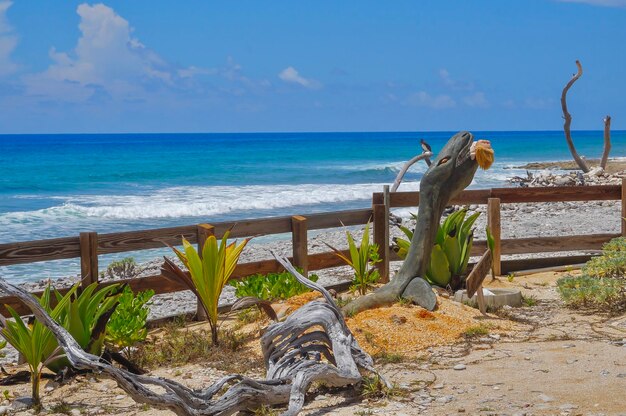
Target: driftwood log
<point>452,171</point>
<point>313,344</point>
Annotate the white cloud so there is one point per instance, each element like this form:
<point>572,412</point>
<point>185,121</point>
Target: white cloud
<point>604,3</point>
<point>453,84</point>
<point>8,41</point>
<point>291,75</point>
<point>424,99</point>
<point>477,99</point>
<point>107,59</point>
<point>538,103</point>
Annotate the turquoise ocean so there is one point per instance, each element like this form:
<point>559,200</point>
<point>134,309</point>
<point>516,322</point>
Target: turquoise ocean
<point>59,185</point>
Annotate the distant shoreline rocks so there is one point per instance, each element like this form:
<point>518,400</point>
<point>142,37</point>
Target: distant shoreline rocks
<point>567,173</point>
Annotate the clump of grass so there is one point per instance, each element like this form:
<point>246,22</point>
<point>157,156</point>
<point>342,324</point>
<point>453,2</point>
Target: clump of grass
<point>606,294</point>
<point>385,357</point>
<point>373,388</point>
<point>265,411</point>
<point>476,331</point>
<point>179,346</point>
<point>529,301</point>
<point>404,302</point>
<point>62,408</point>
<point>249,315</point>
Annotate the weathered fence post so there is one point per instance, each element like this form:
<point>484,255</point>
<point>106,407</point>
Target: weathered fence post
<point>381,234</point>
<point>493,222</point>
<point>299,242</point>
<point>88,258</point>
<point>623,220</point>
<point>203,231</point>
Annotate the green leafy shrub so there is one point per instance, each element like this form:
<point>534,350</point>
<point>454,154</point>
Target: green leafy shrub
<point>127,326</point>
<point>612,262</point>
<point>451,251</point>
<point>362,260</point>
<point>122,269</point>
<point>585,291</point>
<point>271,286</point>
<point>615,245</point>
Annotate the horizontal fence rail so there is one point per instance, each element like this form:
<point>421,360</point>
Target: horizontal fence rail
<point>89,245</point>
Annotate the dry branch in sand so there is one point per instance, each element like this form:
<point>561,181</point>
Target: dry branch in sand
<point>582,164</point>
<point>313,344</point>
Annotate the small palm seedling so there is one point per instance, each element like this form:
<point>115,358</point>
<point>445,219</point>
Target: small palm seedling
<point>362,260</point>
<point>207,274</point>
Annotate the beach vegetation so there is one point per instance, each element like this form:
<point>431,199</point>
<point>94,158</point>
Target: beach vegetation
<point>86,317</point>
<point>177,345</point>
<point>82,312</point>
<point>208,274</point>
<point>612,262</point>
<point>476,331</point>
<point>605,293</point>
<point>127,326</point>
<point>362,258</point>
<point>125,268</point>
<point>529,301</point>
<point>451,251</point>
<point>33,340</point>
<point>271,286</point>
<point>602,284</point>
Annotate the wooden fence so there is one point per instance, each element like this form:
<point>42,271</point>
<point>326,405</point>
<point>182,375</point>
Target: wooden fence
<point>382,202</point>
<point>89,245</point>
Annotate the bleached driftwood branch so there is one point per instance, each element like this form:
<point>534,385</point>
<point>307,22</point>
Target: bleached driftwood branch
<point>607,142</point>
<point>568,119</point>
<point>294,356</point>
<point>405,168</point>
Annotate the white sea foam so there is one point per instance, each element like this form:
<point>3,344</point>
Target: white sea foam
<point>395,166</point>
<point>195,201</point>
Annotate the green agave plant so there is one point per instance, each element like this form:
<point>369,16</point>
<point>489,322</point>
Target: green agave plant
<point>86,317</point>
<point>83,314</point>
<point>451,251</point>
<point>207,274</point>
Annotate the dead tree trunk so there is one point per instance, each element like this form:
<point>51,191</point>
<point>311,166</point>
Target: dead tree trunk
<point>607,142</point>
<point>313,344</point>
<point>568,120</point>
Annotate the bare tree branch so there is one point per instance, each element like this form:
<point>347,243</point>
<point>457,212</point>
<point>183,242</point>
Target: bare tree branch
<point>568,120</point>
<point>607,141</point>
<point>405,168</point>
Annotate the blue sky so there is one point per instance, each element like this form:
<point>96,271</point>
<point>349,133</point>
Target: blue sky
<point>240,66</point>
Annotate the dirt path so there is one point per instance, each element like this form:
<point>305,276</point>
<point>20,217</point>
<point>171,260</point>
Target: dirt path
<point>556,362</point>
